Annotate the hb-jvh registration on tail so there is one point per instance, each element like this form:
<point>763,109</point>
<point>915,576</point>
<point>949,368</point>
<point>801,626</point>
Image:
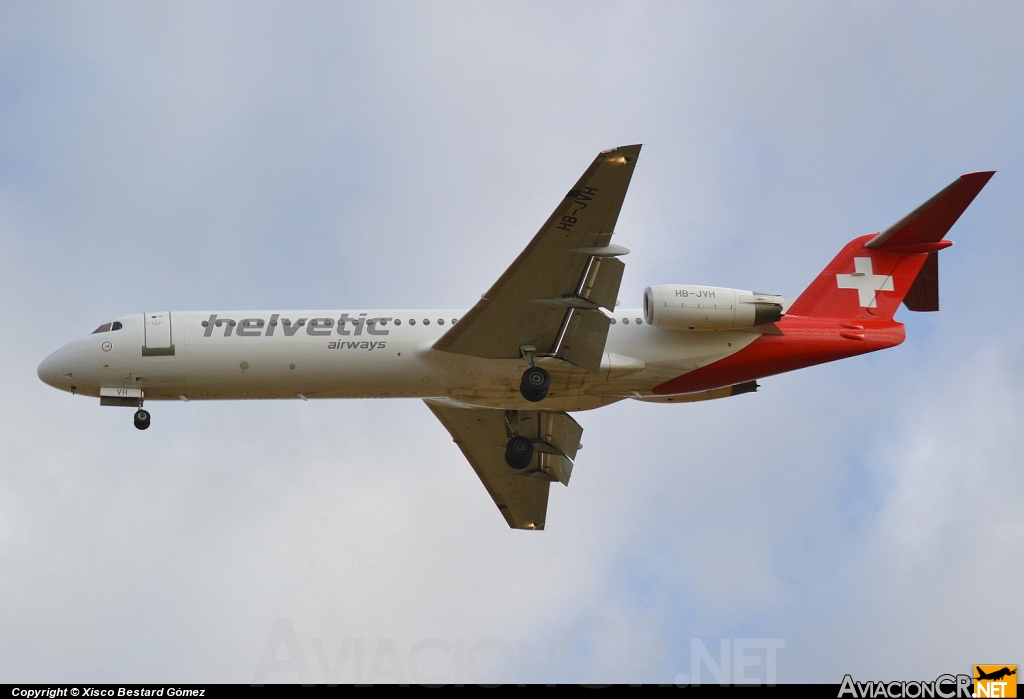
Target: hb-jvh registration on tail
<point>545,340</point>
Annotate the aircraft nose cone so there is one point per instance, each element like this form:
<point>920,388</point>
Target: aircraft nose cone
<point>50,368</point>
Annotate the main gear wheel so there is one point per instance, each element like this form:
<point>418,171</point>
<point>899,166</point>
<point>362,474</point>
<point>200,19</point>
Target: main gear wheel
<point>535,384</point>
<point>519,452</point>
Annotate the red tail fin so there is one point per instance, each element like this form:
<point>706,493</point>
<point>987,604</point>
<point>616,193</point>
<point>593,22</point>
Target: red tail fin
<point>871,275</point>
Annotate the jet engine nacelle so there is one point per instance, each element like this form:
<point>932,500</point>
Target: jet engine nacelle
<point>681,307</point>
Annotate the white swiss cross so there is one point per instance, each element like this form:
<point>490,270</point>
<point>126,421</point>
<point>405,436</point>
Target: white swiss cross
<point>865,281</point>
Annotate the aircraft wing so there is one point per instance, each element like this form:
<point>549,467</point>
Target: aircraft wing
<point>548,299</point>
<point>482,434</point>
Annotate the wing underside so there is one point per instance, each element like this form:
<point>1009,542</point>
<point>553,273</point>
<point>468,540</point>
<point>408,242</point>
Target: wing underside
<point>482,434</point>
<point>548,301</point>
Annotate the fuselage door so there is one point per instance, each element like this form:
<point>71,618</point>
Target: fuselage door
<point>159,340</point>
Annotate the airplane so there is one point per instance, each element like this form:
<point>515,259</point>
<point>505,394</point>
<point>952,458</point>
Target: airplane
<point>995,675</point>
<point>546,340</point>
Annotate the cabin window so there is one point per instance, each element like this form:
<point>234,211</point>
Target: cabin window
<point>412,321</point>
<point>398,321</point>
<point>426,321</point>
<point>440,321</point>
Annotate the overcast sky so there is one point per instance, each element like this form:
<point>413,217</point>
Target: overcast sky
<point>195,156</point>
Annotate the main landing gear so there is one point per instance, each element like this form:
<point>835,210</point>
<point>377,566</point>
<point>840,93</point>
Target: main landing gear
<point>534,388</point>
<point>141,419</point>
<point>535,384</point>
<point>519,452</point>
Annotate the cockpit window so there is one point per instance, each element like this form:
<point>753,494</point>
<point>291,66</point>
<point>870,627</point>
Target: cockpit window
<point>107,327</point>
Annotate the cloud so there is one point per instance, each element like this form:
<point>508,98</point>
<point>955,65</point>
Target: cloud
<point>935,571</point>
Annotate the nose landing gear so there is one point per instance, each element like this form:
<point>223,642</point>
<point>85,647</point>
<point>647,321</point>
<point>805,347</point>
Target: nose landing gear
<point>141,418</point>
<point>535,384</point>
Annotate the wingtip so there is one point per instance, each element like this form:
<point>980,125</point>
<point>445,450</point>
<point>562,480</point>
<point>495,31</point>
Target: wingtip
<point>982,175</point>
<point>636,146</point>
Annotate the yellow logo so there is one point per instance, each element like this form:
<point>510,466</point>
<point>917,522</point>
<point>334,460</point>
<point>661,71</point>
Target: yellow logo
<point>995,681</point>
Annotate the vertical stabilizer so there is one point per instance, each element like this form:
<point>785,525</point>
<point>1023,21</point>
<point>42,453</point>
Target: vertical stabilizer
<point>872,275</point>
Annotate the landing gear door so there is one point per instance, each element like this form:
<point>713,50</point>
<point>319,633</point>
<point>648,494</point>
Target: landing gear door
<point>159,339</point>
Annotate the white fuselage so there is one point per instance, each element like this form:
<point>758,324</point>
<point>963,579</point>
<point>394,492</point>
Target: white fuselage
<point>360,354</point>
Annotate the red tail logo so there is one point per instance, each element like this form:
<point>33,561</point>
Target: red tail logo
<point>865,281</point>
<point>883,269</point>
<point>849,308</point>
<point>860,283</point>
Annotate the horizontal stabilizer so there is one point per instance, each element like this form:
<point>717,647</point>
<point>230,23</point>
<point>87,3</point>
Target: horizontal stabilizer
<point>931,221</point>
<point>924,292</point>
